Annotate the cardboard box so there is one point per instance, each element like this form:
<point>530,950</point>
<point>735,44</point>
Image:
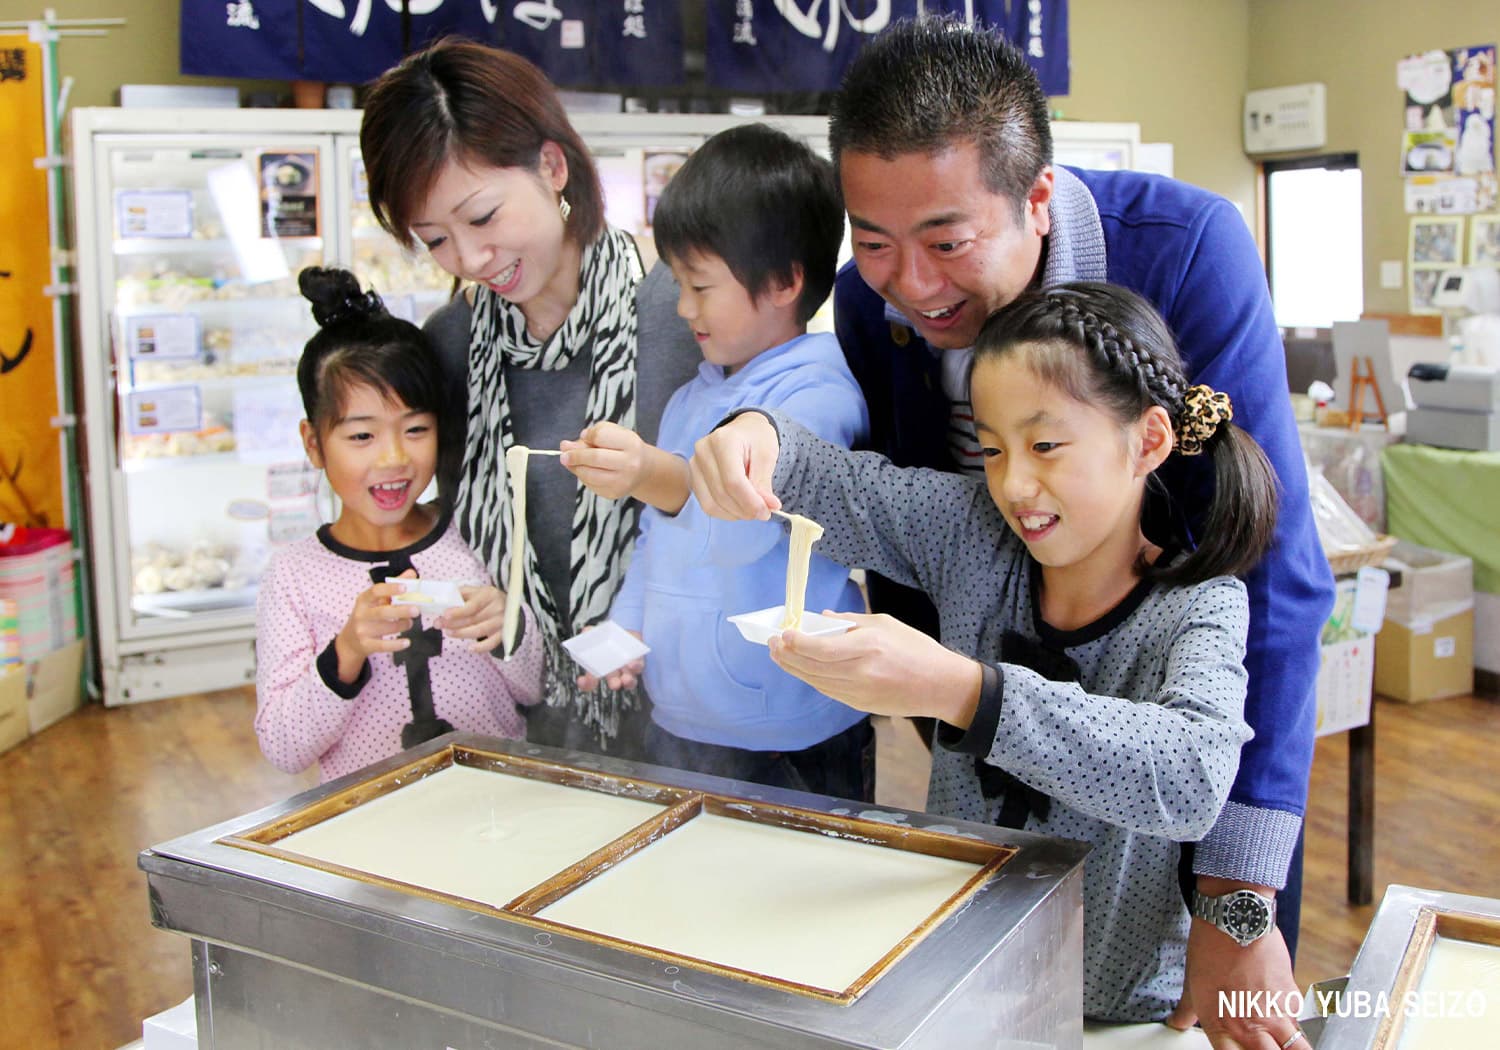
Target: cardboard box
<point>1431,581</point>
<point>1426,646</point>
<point>13,724</point>
<point>1428,661</point>
<point>56,686</point>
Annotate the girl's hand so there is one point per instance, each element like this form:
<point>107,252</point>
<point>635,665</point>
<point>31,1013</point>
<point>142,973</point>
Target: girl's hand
<point>884,667</point>
<point>622,678</point>
<point>373,627</point>
<point>732,466</point>
<point>481,617</point>
<point>607,458</point>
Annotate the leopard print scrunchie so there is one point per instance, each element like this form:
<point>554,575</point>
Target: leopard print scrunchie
<point>1204,410</point>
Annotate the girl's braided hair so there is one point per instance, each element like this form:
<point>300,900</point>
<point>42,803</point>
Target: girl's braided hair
<point>1103,345</point>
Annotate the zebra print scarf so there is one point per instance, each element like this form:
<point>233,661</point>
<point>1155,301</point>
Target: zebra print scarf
<point>602,323</point>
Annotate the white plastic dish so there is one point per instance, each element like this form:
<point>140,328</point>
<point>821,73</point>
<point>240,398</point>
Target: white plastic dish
<point>431,596</point>
<point>760,626</point>
<point>606,648</point>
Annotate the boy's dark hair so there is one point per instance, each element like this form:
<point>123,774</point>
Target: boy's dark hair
<point>930,83</point>
<point>460,100</point>
<point>1106,346</point>
<point>763,202</point>
<point>359,343</point>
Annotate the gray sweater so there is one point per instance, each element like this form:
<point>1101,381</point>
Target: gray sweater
<point>1135,756</point>
<point>547,407</point>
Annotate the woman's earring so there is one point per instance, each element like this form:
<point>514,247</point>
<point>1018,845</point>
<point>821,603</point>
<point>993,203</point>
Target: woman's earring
<point>564,208</point>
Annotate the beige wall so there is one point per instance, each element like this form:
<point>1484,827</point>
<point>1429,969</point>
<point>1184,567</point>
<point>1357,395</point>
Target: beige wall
<point>1353,46</point>
<point>1177,68</point>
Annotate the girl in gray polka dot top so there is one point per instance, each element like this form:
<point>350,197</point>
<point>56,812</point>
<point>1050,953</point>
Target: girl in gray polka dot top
<point>1101,688</point>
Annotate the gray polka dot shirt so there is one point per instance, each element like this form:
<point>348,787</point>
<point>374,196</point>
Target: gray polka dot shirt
<point>1135,756</point>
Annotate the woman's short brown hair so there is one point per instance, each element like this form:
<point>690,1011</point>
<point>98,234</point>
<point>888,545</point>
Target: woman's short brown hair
<point>461,100</point>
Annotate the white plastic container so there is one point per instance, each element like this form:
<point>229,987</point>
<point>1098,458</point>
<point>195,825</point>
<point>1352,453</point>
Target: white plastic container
<point>760,626</point>
<point>605,648</point>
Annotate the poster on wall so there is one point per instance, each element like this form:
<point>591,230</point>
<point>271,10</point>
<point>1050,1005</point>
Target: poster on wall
<point>1451,194</point>
<point>288,193</point>
<point>1448,138</point>
<point>31,491</point>
<point>1474,109</point>
<point>1435,245</point>
<point>1484,240</point>
<point>657,168</point>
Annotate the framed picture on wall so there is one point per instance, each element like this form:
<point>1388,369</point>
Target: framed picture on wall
<point>1484,240</point>
<point>1437,240</point>
<point>1424,285</point>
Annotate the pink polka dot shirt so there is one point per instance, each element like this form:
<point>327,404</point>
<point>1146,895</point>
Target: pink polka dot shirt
<point>304,714</point>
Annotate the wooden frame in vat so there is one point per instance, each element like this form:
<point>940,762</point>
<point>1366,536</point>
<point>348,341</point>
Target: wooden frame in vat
<point>678,808</point>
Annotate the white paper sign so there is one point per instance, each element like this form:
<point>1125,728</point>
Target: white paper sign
<point>1370,588</point>
<point>154,213</point>
<point>290,523</point>
<point>163,336</point>
<point>266,419</point>
<point>291,480</point>
<point>360,182</point>
<point>164,410</point>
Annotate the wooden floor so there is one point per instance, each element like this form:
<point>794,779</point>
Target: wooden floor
<point>81,966</point>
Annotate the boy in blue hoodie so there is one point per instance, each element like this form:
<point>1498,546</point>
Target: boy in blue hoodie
<point>751,226</point>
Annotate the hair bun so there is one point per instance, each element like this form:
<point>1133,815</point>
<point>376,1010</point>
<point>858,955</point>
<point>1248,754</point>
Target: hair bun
<point>335,296</point>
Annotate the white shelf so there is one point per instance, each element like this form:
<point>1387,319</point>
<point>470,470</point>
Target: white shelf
<point>227,382</point>
<point>150,464</point>
<point>198,245</point>
<point>184,604</point>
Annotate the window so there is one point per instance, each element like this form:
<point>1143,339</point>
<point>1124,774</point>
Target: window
<point>1314,240</point>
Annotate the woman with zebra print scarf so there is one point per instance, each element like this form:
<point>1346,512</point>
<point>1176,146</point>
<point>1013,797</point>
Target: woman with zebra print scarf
<point>468,151</point>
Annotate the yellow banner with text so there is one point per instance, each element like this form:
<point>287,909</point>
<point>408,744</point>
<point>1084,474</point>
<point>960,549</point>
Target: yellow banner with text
<point>31,491</point>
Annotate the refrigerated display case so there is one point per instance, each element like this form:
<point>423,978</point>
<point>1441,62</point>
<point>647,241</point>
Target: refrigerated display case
<point>191,226</point>
<point>191,229</point>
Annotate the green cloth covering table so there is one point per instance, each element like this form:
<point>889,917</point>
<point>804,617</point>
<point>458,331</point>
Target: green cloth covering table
<point>1448,500</point>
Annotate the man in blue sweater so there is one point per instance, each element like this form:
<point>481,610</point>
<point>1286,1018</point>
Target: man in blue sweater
<point>941,138</point>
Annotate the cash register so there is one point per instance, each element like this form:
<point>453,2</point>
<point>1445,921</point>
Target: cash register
<point>1458,402</point>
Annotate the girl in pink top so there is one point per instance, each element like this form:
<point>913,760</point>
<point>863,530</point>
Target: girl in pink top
<point>347,674</point>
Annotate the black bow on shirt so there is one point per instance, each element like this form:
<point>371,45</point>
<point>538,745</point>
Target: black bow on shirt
<point>425,644</point>
<point>1021,799</point>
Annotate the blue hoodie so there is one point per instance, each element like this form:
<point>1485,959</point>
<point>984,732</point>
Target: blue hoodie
<point>690,572</point>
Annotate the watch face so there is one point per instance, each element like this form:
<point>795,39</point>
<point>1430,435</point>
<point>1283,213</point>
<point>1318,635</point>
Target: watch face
<point>1246,916</point>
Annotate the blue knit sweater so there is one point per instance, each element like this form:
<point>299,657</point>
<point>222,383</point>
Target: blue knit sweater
<point>1189,253</point>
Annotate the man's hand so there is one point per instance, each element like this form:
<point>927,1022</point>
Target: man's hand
<point>884,667</point>
<point>1215,963</point>
<point>732,466</point>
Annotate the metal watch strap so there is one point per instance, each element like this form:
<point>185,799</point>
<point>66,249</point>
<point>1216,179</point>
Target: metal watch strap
<point>1214,910</point>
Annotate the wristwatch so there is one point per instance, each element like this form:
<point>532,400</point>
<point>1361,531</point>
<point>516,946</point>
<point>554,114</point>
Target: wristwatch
<point>1245,915</point>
